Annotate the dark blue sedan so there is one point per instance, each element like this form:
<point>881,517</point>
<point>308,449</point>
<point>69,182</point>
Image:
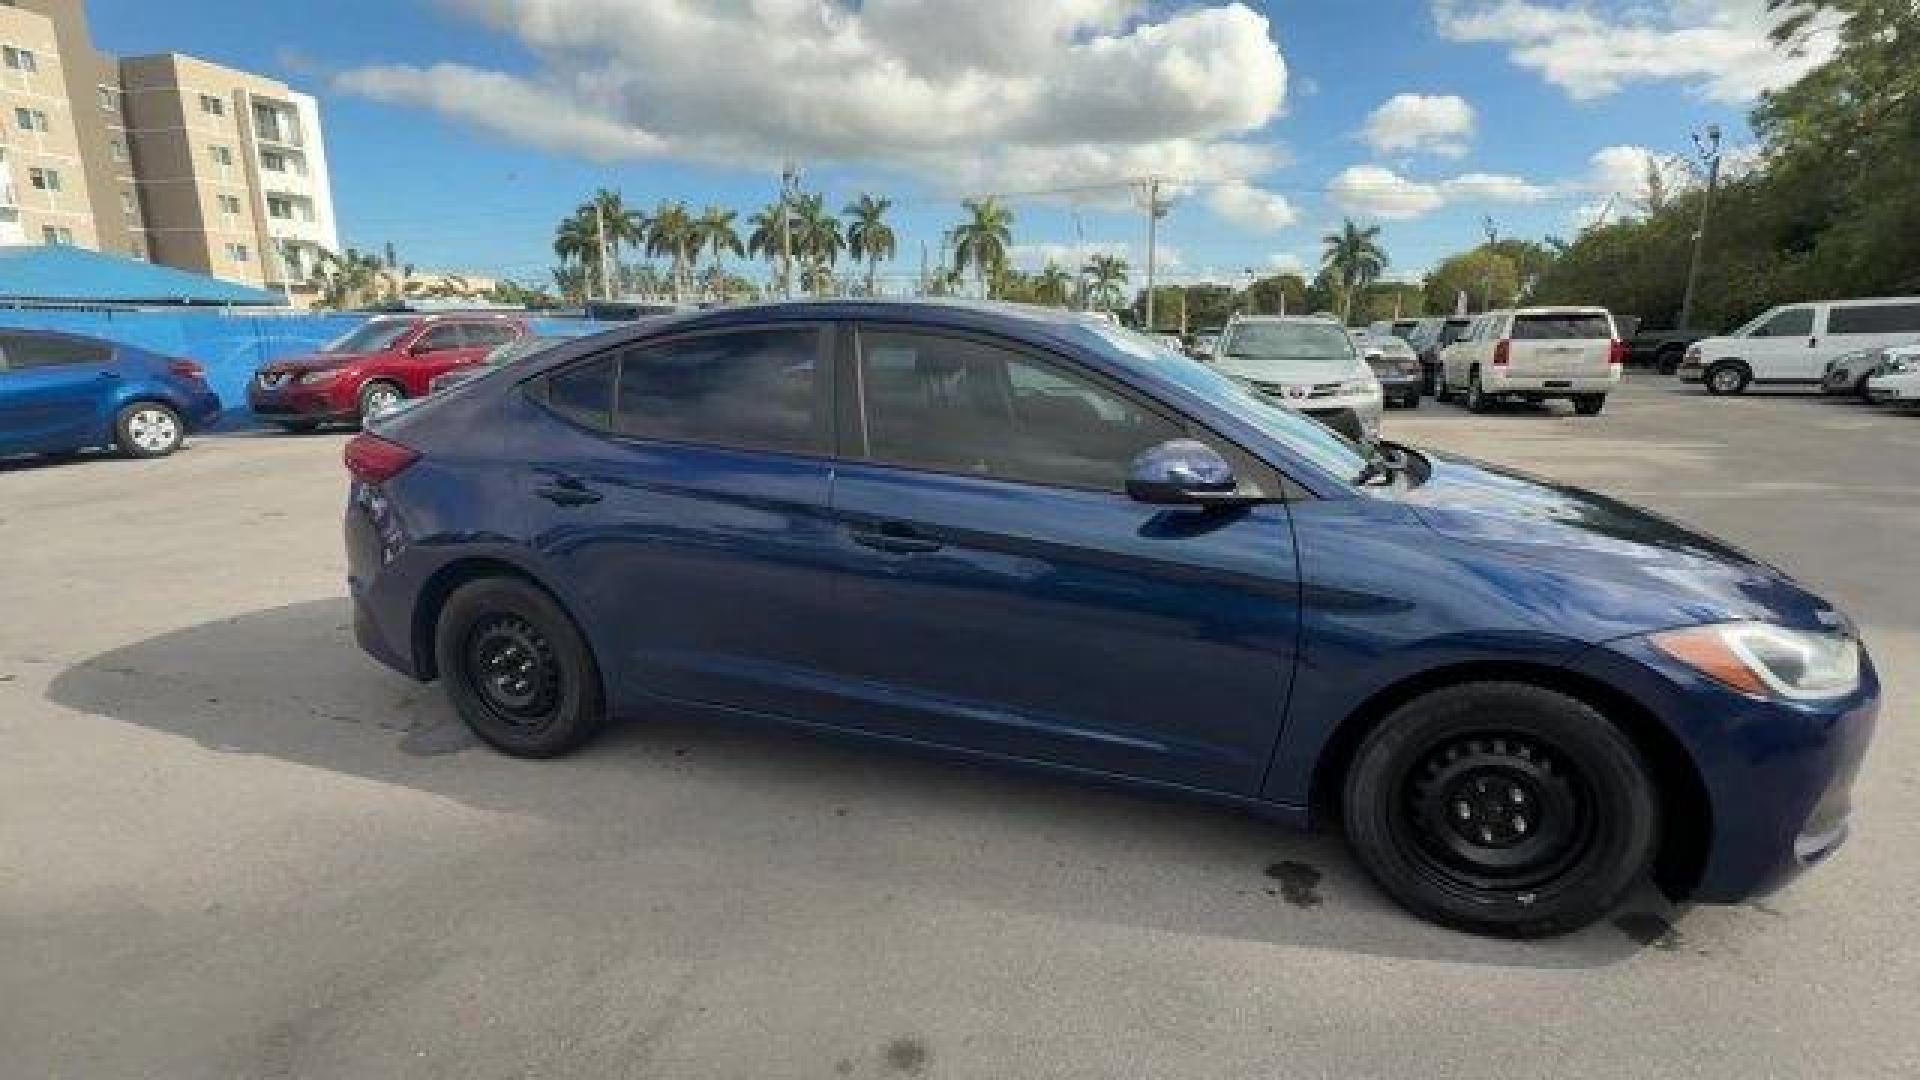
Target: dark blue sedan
<point>64,392</point>
<point>1030,537</point>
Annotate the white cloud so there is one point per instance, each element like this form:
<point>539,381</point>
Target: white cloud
<point>1437,124</point>
<point>966,92</point>
<point>1252,207</point>
<point>1070,257</point>
<point>1382,193</point>
<point>1719,48</point>
<point>1288,262</point>
<point>1621,171</point>
<point>1493,187</point>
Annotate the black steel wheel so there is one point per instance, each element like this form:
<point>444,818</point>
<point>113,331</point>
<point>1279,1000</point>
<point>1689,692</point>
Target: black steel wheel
<point>516,668</point>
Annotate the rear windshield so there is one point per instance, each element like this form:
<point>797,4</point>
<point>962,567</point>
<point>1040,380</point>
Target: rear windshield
<point>1560,325</point>
<point>1454,330</point>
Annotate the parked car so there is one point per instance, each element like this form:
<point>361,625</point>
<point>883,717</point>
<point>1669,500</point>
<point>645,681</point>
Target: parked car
<point>61,393</point>
<point>1659,348</point>
<point>1792,344</point>
<point>1385,328</point>
<point>1015,536</point>
<point>1535,354</point>
<point>501,356</point>
<point>1203,344</point>
<point>1428,337</point>
<point>1897,380</point>
<point>1848,373</point>
<point>1306,363</point>
<point>1394,364</point>
<point>374,367</point>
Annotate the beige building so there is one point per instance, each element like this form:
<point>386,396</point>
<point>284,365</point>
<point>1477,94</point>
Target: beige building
<point>163,157</point>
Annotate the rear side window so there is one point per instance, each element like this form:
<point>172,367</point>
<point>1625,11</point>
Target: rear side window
<point>52,350</point>
<point>1561,325</point>
<point>959,405</point>
<point>441,336</point>
<point>1874,319</point>
<point>757,389</point>
<point>584,392</point>
<point>489,334</point>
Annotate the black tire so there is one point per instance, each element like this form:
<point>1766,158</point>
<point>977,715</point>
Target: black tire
<point>1667,360</point>
<point>1411,401</point>
<point>1440,392</point>
<point>299,427</point>
<point>372,394</point>
<point>516,668</point>
<point>1860,388</point>
<point>1589,404</point>
<point>148,429</point>
<point>1477,399</point>
<point>1427,808</point>
<point>1727,377</point>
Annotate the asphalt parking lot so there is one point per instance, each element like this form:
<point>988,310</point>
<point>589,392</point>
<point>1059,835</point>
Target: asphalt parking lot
<point>231,846</point>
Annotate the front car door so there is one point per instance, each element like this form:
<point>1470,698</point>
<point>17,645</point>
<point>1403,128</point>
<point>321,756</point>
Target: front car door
<point>679,488</point>
<point>438,349</point>
<point>55,392</point>
<point>1002,593</point>
<point>1783,346</point>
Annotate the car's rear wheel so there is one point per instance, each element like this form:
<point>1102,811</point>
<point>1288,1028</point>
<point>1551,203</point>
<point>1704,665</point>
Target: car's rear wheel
<point>1412,401</point>
<point>1477,399</point>
<point>1589,404</point>
<point>516,669</point>
<point>1502,808</point>
<point>379,396</point>
<point>148,429</point>
<point>1440,391</point>
<point>1727,377</point>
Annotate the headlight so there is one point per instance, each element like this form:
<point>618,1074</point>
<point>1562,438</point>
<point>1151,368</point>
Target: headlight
<point>312,377</point>
<point>1360,386</point>
<point>1768,661</point>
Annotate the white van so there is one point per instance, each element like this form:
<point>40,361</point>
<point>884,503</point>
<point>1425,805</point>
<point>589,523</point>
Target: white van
<point>1792,343</point>
<point>1535,353</point>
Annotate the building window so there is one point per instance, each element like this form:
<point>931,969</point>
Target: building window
<point>128,206</point>
<point>109,100</point>
<point>20,59</point>
<point>230,205</point>
<point>44,179</point>
<point>212,106</point>
<point>118,148</point>
<point>279,206</point>
<point>273,161</point>
<point>238,252</point>
<point>30,120</point>
<point>138,250</point>
<point>222,157</point>
<point>56,234</point>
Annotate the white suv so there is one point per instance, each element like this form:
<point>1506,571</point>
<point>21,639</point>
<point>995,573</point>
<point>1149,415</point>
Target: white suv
<point>1535,353</point>
<point>1307,364</point>
<point>1792,344</point>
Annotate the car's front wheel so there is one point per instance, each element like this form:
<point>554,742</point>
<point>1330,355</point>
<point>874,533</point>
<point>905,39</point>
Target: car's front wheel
<point>1727,377</point>
<point>1502,808</point>
<point>516,669</point>
<point>1589,404</point>
<point>378,397</point>
<point>1477,399</point>
<point>148,429</point>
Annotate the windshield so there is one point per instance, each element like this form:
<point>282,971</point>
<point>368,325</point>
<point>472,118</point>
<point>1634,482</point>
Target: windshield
<point>1304,436</point>
<point>368,337</point>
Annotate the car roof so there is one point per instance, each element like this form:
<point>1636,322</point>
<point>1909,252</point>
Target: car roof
<point>1321,320</point>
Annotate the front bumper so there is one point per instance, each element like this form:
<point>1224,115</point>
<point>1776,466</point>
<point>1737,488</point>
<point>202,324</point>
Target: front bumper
<point>1778,775</point>
<point>1884,391</point>
<point>200,409</point>
<point>1401,387</point>
<point>322,401</point>
<point>1692,369</point>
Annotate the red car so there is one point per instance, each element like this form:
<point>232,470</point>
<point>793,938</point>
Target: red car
<point>374,368</point>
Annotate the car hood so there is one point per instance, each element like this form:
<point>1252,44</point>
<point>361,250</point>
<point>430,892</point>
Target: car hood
<point>1278,371</point>
<point>1663,572</point>
<point>313,362</point>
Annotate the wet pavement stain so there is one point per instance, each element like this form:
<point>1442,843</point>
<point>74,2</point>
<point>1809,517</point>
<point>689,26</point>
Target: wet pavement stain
<point>1650,930</point>
<point>1299,882</point>
<point>907,1055</point>
<point>444,738</point>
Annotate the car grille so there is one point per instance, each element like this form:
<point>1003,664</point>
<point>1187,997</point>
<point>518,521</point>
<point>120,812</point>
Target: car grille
<point>1299,391</point>
<point>273,380</point>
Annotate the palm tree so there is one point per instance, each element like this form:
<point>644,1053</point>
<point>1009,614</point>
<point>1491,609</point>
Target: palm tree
<point>817,242</point>
<point>1354,259</point>
<point>714,231</point>
<point>622,225</point>
<point>672,232</point>
<point>1052,284</point>
<point>982,240</point>
<point>767,240</point>
<point>1106,274</point>
<point>869,237</point>
<point>347,279</point>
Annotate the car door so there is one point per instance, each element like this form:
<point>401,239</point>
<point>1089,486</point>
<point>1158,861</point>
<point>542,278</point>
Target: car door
<point>56,392</point>
<point>679,490</point>
<point>1003,594</point>
<point>440,348</point>
<point>1785,346</point>
<point>1870,326</point>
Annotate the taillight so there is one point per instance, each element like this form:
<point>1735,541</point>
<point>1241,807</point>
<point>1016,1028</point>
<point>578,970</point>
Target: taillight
<point>374,460</point>
<point>1500,350</point>
<point>1617,353</point>
<point>186,369</point>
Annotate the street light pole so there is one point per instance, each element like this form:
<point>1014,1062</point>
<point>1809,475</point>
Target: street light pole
<point>1709,151</point>
<point>1493,237</point>
<point>1156,209</point>
<point>787,177</point>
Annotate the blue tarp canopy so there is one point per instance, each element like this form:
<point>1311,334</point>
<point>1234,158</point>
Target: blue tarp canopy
<point>62,274</point>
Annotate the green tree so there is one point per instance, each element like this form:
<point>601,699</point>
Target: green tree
<point>1052,285</point>
<point>869,237</point>
<point>982,239</point>
<point>765,239</point>
<point>817,242</point>
<point>672,232</point>
<point>1276,294</point>
<point>1485,275</point>
<point>348,279</point>
<point>715,232</point>
<point>1354,259</point>
<point>1106,277</point>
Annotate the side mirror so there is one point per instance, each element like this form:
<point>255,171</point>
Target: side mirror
<point>419,348</point>
<point>1370,355</point>
<point>1182,472</point>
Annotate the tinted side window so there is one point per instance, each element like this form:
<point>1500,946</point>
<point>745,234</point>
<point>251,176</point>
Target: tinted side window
<point>50,350</point>
<point>964,406</point>
<point>489,334</point>
<point>1874,319</point>
<point>442,336</point>
<point>759,389</point>
<point>584,392</point>
<point>1793,322</point>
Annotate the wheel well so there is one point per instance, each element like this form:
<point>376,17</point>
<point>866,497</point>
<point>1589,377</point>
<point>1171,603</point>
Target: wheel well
<point>433,599</point>
<point>1686,811</point>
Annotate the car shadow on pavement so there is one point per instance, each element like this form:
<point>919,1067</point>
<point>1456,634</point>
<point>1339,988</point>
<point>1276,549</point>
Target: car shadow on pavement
<point>288,683</point>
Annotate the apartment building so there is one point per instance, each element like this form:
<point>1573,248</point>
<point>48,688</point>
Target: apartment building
<point>164,157</point>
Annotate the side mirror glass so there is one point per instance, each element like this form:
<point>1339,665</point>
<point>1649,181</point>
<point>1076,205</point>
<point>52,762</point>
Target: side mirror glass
<point>1181,472</point>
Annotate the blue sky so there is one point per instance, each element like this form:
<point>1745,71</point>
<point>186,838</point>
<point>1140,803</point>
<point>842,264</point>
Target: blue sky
<point>460,130</point>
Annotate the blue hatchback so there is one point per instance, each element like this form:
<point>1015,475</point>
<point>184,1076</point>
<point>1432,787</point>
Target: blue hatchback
<point>1030,537</point>
<point>64,392</point>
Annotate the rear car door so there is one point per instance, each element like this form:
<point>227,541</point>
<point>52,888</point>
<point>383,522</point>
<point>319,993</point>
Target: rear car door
<point>679,487</point>
<point>1002,593</point>
<point>56,392</point>
<point>1565,344</point>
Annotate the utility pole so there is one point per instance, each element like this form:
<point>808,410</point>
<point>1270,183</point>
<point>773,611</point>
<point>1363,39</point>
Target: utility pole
<point>600,230</point>
<point>1709,151</point>
<point>789,176</point>
<point>1156,209</point>
<point>1493,236</point>
<point>925,283</point>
